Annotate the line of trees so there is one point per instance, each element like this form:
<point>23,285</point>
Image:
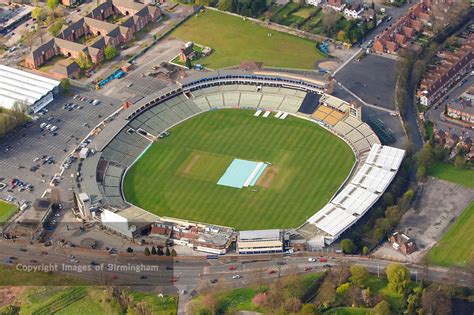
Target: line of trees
<point>10,118</point>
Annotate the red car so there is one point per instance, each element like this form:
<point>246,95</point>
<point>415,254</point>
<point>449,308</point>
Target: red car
<point>307,268</point>
<point>173,279</point>
<point>271,271</point>
<point>322,259</point>
<point>232,267</point>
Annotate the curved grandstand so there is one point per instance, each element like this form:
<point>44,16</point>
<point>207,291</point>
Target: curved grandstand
<point>124,139</point>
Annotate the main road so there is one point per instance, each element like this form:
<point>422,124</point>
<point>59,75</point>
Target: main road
<point>188,273</point>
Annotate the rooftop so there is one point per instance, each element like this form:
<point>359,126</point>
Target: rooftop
<point>18,85</point>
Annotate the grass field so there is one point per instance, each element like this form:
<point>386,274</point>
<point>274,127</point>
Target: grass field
<point>452,174</point>
<point>234,40</point>
<point>178,175</point>
<point>6,211</point>
<point>456,247</point>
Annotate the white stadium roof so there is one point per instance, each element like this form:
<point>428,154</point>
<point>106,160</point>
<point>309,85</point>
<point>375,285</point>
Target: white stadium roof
<point>18,85</point>
<point>361,193</point>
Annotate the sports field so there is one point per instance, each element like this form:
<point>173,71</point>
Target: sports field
<point>233,40</point>
<point>449,172</point>
<point>178,175</point>
<point>456,247</point>
<point>6,211</point>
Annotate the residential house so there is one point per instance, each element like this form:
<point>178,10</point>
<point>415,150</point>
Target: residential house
<point>403,243</point>
<point>102,33</point>
<point>337,5</point>
<point>451,68</point>
<point>462,108</point>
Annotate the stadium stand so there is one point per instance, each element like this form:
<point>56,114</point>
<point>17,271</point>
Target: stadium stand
<point>356,198</point>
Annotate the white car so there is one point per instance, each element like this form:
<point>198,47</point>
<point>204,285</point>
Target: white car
<point>236,277</point>
<point>311,259</point>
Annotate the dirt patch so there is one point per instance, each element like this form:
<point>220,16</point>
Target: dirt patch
<point>267,177</point>
<point>191,164</point>
<point>436,207</point>
<point>8,295</point>
<point>328,65</point>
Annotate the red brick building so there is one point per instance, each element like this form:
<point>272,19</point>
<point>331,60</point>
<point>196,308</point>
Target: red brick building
<point>132,16</point>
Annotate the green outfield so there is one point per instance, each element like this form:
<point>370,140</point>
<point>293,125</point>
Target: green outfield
<point>6,211</point>
<point>233,40</point>
<point>177,176</point>
<point>456,247</point>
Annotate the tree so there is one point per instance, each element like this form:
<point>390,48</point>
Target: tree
<point>383,308</point>
<point>153,250</point>
<point>174,253</point>
<point>292,305</point>
<point>210,302</point>
<point>309,309</point>
<point>39,14</point>
<point>326,294</point>
<point>367,296</point>
<point>378,235</point>
<point>393,215</point>
<point>347,246</point>
<point>359,275</point>
<point>259,299</point>
<point>355,296</point>
<point>342,36</point>
<point>160,251</point>
<point>398,277</point>
<point>52,4</point>
<point>329,21</point>
<point>55,27</point>
<point>225,5</point>
<point>343,289</point>
<point>65,85</point>
<point>147,251</point>
<point>425,156</point>
<point>459,162</point>
<point>110,52</point>
<point>421,173</point>
<point>436,300</point>
<point>84,60</point>
<point>168,253</point>
<point>188,63</point>
<point>365,250</point>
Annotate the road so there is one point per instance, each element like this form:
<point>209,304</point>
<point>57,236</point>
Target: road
<point>189,273</point>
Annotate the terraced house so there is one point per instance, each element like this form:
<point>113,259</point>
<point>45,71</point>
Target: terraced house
<point>92,33</point>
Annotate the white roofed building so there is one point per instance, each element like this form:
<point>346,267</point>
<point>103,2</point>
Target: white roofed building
<point>260,241</point>
<point>359,195</point>
<point>22,86</point>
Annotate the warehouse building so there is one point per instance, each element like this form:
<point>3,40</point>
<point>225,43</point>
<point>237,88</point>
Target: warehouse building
<point>24,87</point>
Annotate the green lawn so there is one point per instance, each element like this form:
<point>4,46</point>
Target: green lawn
<point>456,247</point>
<point>177,176</point>
<point>12,276</point>
<point>450,173</point>
<point>6,211</point>
<point>234,40</point>
<point>306,12</point>
<point>348,311</point>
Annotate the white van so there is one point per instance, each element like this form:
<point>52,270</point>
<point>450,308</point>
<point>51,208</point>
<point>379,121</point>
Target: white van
<point>48,126</point>
<point>54,128</point>
<point>96,102</point>
<point>43,125</point>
